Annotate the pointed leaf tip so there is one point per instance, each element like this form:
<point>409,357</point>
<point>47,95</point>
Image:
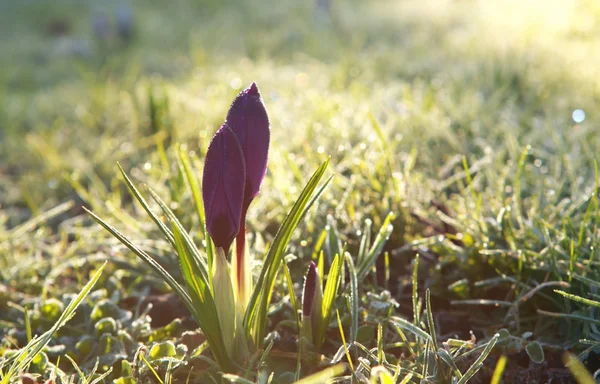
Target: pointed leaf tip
<point>223,183</point>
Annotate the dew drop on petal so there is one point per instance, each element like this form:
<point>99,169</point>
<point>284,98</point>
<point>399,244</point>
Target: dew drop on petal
<point>578,116</point>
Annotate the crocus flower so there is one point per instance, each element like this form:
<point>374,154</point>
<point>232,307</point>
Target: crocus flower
<point>248,119</point>
<point>223,187</point>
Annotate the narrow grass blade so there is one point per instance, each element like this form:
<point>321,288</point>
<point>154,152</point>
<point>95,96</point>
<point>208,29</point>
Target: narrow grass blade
<point>430,323</point>
<point>192,183</point>
<point>187,240</point>
<point>578,299</point>
<point>344,344</point>
<point>354,298</point>
<point>316,196</point>
<point>410,327</point>
<point>365,241</point>
<point>329,295</point>
<point>291,293</point>
<point>206,309</point>
<point>149,260</point>
<point>415,294</point>
<point>31,224</point>
<point>447,358</point>
<point>324,375</point>
<point>384,234</point>
<point>256,312</point>
<point>136,193</point>
<point>476,366</point>
<point>380,375</point>
<point>499,370</point>
<point>578,369</point>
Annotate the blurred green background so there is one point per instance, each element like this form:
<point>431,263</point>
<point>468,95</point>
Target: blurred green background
<point>444,77</point>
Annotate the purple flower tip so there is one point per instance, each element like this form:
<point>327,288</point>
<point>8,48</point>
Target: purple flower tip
<point>248,119</point>
<point>253,89</point>
<point>223,187</point>
<point>310,288</point>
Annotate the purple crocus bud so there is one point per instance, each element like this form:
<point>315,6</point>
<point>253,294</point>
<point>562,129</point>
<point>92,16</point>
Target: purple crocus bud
<point>311,280</point>
<point>223,187</point>
<point>248,119</point>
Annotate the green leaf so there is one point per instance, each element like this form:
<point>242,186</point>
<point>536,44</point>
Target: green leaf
<point>206,310</point>
<point>187,241</point>
<point>476,366</point>
<point>192,183</point>
<point>384,234</point>
<point>291,293</point>
<point>329,296</point>
<point>499,370</point>
<point>322,376</point>
<point>578,369</point>
<point>136,193</point>
<point>535,352</point>
<point>353,298</point>
<point>183,295</point>
<point>430,323</point>
<point>256,313</point>
<point>578,299</point>
<point>410,327</point>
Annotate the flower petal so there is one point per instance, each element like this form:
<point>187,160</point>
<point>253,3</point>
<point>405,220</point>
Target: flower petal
<point>223,184</point>
<point>248,119</point>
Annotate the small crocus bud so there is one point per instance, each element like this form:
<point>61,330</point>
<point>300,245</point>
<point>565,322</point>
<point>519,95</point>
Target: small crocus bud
<point>223,187</point>
<point>248,119</point>
<point>310,287</point>
<point>312,299</point>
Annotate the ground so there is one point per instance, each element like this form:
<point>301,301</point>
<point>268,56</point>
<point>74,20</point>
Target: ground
<point>469,125</point>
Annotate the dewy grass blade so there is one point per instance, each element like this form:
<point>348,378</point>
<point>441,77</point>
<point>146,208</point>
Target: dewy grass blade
<point>410,327</point>
<point>384,234</point>
<point>187,240</point>
<point>324,375</point>
<point>415,295</point>
<point>578,299</point>
<point>193,184</point>
<point>353,298</point>
<point>136,193</point>
<point>31,224</point>
<point>344,344</point>
<point>447,358</point>
<point>315,197</point>
<point>430,323</point>
<point>292,294</point>
<point>256,312</point>
<point>476,366</point>
<point>179,290</point>
<point>206,314</point>
<point>27,353</point>
<point>365,242</point>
